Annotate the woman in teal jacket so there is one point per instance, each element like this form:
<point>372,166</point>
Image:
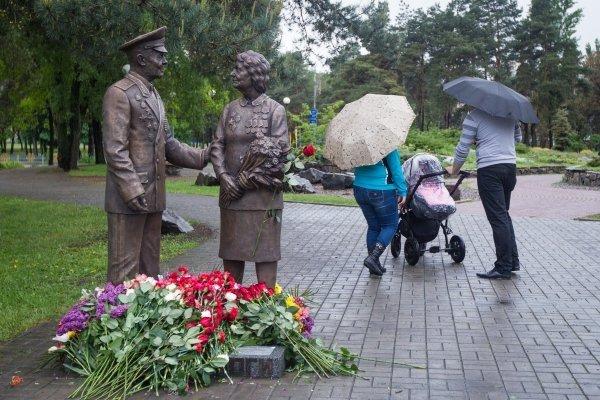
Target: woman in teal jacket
<point>379,190</point>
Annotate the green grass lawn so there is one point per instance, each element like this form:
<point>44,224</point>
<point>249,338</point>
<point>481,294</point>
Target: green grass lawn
<point>186,186</point>
<point>49,252</point>
<point>593,217</point>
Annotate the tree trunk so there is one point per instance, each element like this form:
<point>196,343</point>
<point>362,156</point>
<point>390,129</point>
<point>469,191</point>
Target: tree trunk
<point>75,122</point>
<point>4,145</point>
<point>526,137</point>
<point>51,140</point>
<point>12,143</point>
<point>20,139</point>
<point>96,132</point>
<point>64,144</point>
<point>534,141</point>
<point>90,142</point>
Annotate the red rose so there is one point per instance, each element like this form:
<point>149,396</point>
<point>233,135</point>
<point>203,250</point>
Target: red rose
<point>309,150</point>
<point>203,339</point>
<point>206,322</point>
<point>221,336</point>
<point>233,313</point>
<point>199,347</point>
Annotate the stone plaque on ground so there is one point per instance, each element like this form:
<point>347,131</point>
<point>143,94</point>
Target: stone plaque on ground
<point>257,362</point>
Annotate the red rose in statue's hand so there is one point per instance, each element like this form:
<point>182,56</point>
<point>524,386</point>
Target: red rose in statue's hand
<point>309,150</point>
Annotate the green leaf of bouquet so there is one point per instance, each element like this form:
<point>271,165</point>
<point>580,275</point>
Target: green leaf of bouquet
<point>220,361</point>
<point>171,361</point>
<point>176,341</point>
<point>255,326</point>
<point>169,320</point>
<point>105,338</point>
<point>299,164</point>
<point>157,341</point>
<point>145,287</point>
<point>176,313</point>
<point>287,166</point>
<point>112,324</point>
<point>187,314</point>
<point>209,370</point>
<point>126,298</point>
<point>77,370</point>
<point>253,307</point>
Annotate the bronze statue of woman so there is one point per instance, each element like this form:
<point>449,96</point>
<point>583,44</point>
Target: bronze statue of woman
<point>250,218</point>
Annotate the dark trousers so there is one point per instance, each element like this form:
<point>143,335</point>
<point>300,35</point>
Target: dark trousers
<point>495,184</point>
<point>133,245</point>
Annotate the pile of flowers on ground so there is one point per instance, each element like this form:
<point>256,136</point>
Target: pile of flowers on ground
<point>176,332</point>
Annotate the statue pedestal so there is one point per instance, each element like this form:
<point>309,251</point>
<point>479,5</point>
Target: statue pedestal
<point>257,362</point>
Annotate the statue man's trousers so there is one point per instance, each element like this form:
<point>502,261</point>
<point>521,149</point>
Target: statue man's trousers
<point>133,245</point>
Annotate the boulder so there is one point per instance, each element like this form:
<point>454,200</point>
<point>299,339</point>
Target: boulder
<point>335,181</point>
<point>302,185</point>
<point>207,177</point>
<point>172,170</point>
<point>173,223</point>
<point>312,174</point>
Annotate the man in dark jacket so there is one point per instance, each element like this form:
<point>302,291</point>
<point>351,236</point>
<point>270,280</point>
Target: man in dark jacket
<point>137,142</point>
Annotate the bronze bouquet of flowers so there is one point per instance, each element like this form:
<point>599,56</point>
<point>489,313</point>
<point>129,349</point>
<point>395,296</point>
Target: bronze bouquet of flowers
<point>262,166</point>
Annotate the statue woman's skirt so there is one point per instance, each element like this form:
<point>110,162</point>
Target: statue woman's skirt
<point>249,235</point>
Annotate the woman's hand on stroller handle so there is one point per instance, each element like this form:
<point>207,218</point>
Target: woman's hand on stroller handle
<point>401,202</point>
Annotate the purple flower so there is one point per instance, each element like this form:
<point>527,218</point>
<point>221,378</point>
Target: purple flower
<point>109,295</point>
<point>308,323</point>
<point>74,320</point>
<point>118,311</point>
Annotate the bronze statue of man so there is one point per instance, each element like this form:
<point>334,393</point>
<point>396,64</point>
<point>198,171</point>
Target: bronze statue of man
<point>250,218</point>
<point>137,142</point>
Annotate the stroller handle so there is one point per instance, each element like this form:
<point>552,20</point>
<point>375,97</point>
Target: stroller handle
<point>462,175</point>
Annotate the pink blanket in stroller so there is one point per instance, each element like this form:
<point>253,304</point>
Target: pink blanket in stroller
<point>431,199</point>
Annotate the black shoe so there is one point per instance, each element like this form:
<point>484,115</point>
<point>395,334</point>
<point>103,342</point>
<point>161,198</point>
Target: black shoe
<point>516,267</point>
<point>494,274</point>
<point>372,261</point>
<point>381,267</point>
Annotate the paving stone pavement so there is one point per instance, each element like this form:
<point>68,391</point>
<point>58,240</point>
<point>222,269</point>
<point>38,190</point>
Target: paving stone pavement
<point>534,337</point>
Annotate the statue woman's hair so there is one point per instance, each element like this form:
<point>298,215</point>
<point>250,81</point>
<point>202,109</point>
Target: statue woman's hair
<point>258,67</point>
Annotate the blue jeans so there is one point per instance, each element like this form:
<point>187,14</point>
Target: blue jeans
<point>380,208</point>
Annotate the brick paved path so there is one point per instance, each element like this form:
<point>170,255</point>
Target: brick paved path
<point>535,337</point>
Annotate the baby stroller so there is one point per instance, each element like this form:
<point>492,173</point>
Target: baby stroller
<point>429,204</point>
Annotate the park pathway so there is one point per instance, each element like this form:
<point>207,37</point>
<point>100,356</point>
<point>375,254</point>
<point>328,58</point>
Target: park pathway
<point>534,337</point>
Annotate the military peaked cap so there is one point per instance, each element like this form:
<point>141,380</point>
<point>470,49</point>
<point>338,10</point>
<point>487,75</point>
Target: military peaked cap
<point>151,40</point>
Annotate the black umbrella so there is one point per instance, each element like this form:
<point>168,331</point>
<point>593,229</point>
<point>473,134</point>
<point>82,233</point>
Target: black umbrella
<point>493,98</point>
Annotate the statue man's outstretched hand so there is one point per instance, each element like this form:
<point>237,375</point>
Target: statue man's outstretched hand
<point>138,204</point>
<point>229,187</point>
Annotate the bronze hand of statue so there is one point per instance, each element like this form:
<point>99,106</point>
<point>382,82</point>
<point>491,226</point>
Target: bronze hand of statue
<point>230,188</point>
<point>138,204</point>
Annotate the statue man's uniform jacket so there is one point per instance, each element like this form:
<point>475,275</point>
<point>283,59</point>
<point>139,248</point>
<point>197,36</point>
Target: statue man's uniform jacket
<point>246,235</point>
<point>137,142</point>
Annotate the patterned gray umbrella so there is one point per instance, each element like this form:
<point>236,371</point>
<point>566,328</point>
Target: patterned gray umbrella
<point>367,130</point>
<point>492,97</point>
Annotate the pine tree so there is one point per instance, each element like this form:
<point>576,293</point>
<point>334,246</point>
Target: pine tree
<point>561,128</point>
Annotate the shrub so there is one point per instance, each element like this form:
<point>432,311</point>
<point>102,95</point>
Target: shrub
<point>10,165</point>
<point>594,163</point>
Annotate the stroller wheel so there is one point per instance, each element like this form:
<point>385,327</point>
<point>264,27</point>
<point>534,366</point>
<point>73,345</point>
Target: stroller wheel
<point>457,249</point>
<point>396,245</point>
<point>411,251</point>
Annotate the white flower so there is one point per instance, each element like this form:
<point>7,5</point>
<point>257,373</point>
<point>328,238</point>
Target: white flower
<point>52,349</point>
<point>171,287</point>
<point>176,295</point>
<point>64,338</point>
<point>230,296</point>
<point>151,281</point>
<point>129,291</point>
<point>216,287</point>
<point>205,314</point>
